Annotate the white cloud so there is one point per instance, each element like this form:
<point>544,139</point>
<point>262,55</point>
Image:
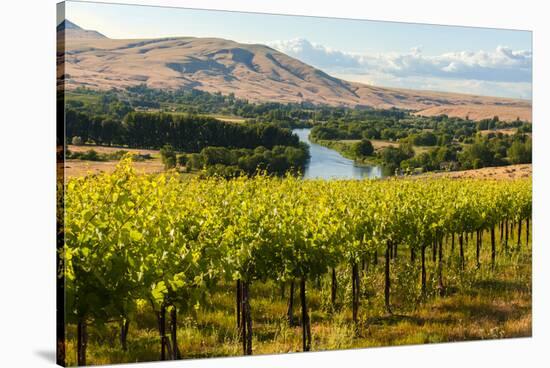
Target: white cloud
<point>503,72</point>
<point>316,54</point>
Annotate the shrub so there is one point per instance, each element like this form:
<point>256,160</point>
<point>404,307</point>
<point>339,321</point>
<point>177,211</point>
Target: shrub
<point>77,141</point>
<point>182,159</point>
<point>363,148</point>
<point>168,156</point>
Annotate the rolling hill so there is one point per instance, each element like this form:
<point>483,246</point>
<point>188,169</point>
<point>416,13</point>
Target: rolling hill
<point>252,71</point>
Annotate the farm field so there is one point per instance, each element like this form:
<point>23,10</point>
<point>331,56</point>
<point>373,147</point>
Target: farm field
<point>213,267</point>
<point>76,168</point>
<point>496,173</point>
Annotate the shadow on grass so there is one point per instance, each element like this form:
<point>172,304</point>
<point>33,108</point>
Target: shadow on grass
<point>395,319</point>
<point>499,286</point>
<point>485,311</point>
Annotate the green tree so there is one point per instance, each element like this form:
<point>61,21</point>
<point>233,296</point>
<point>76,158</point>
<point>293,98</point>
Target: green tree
<point>168,156</point>
<point>519,153</point>
<point>363,148</point>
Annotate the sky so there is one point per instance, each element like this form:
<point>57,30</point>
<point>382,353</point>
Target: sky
<point>483,61</point>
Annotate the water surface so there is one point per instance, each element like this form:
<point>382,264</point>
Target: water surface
<point>326,163</point>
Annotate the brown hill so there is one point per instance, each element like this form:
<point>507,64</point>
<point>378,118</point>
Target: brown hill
<point>252,71</point>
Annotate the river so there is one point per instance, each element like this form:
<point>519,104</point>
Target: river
<point>326,163</point>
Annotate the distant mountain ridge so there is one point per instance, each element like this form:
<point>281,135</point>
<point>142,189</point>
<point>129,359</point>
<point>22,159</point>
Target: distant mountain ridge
<point>72,30</point>
<point>252,71</point>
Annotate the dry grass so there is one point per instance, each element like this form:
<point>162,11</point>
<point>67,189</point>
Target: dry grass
<point>229,119</point>
<point>510,131</point>
<point>111,149</point>
<point>75,168</point>
<point>479,112</point>
<point>499,173</point>
<point>379,144</point>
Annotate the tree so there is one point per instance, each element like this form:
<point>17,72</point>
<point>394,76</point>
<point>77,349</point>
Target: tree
<point>363,148</point>
<point>77,141</point>
<point>168,156</point>
<point>519,153</point>
<point>182,159</point>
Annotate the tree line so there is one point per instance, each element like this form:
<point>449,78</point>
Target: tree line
<point>184,132</point>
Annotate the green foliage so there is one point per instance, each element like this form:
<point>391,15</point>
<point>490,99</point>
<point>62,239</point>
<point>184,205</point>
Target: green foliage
<point>132,237</point>
<point>520,152</point>
<point>235,162</point>
<point>392,156</point>
<point>363,148</point>
<point>168,156</point>
<point>424,139</point>
<point>182,160</point>
<point>77,141</point>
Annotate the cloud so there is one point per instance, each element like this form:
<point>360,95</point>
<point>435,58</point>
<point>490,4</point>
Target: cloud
<point>316,54</point>
<point>468,86</point>
<point>502,67</point>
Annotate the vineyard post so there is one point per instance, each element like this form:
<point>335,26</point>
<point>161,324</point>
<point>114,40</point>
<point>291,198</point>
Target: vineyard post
<point>478,245</point>
<point>461,245</point>
<point>493,250</point>
<point>453,243</point>
<point>306,329</point>
<point>387,278</point>
<point>506,236</point>
<point>239,303</point>
<point>124,326</point>
<point>243,315</point>
<point>519,233</point>
<point>81,342</point>
<point>248,321</point>
<point>423,277</point>
<point>354,290</point>
<point>333,289</point>
<point>440,268</point>
<point>162,327</point>
<point>527,231</point>
<point>174,332</point>
<point>290,309</point>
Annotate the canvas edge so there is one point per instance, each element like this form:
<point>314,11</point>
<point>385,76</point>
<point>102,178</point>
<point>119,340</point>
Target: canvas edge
<point>60,189</point>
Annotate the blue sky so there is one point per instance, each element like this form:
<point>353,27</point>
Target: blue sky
<point>456,59</point>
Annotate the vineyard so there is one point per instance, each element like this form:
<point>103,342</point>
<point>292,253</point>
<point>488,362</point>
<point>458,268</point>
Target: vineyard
<point>167,249</point>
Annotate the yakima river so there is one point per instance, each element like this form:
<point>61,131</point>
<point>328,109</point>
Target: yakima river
<point>326,163</point>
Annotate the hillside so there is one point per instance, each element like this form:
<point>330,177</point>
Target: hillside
<point>252,71</point>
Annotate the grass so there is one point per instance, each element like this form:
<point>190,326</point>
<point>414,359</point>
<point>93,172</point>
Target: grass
<point>227,118</point>
<point>478,304</point>
<point>77,167</point>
